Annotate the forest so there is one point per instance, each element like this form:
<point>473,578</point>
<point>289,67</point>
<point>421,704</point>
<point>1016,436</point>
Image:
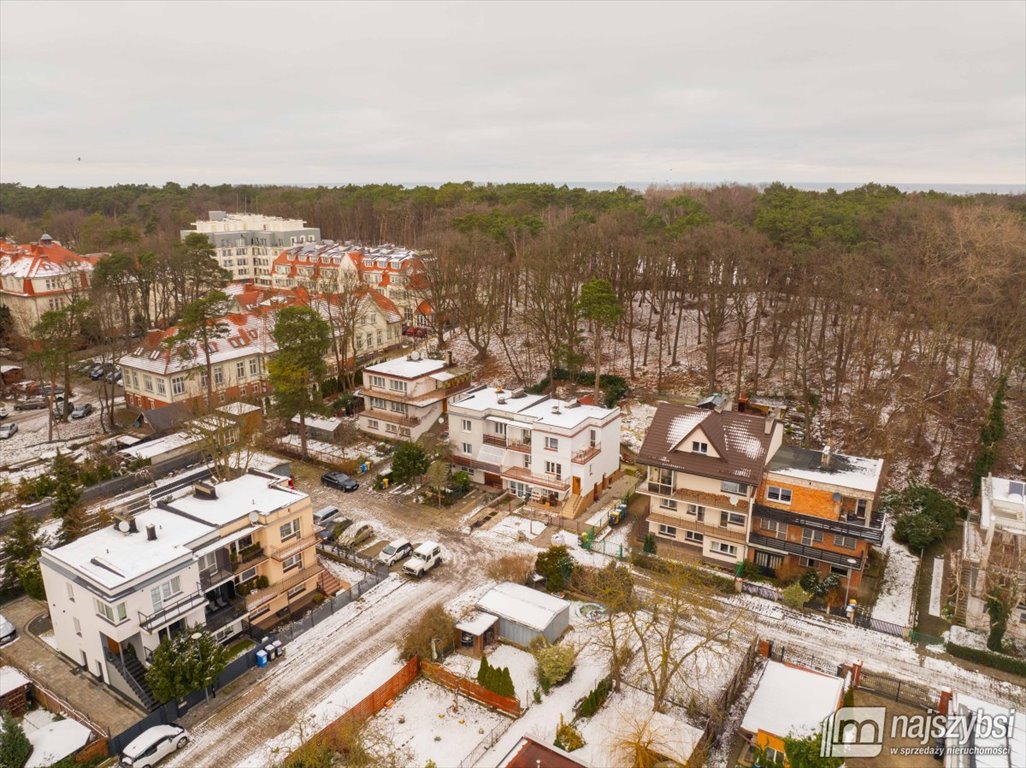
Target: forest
<point>888,319</point>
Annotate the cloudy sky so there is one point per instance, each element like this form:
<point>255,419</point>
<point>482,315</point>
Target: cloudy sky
<point>587,91</point>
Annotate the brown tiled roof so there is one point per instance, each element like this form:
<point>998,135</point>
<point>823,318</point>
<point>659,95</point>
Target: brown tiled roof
<point>530,754</point>
<point>740,439</point>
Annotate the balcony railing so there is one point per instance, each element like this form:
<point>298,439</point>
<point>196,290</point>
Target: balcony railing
<point>171,611</point>
<point>840,527</point>
<point>293,547</point>
<point>256,599</point>
<point>525,476</point>
<point>495,440</point>
<point>794,548</point>
<point>472,463</point>
<point>248,558</point>
<point>210,579</point>
<point>585,455</point>
<point>524,446</point>
<point>389,416</point>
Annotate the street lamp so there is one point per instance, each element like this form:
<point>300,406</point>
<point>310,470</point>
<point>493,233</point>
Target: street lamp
<point>847,583</point>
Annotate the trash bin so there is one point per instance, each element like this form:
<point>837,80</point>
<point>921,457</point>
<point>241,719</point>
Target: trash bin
<point>279,649</point>
<point>269,650</point>
<point>261,657</point>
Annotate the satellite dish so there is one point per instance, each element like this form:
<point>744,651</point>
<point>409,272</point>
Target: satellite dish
<point>254,516</point>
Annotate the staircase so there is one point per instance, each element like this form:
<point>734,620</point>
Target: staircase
<point>134,673</point>
<point>328,583</point>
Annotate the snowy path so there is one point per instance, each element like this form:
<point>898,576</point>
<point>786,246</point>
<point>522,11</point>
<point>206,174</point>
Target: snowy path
<point>894,603</point>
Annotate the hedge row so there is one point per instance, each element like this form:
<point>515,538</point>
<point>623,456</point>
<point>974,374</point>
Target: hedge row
<point>989,658</point>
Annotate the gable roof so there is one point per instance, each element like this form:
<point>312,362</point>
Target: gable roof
<point>740,439</point>
<point>167,417</point>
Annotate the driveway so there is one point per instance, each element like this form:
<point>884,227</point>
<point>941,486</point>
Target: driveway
<point>44,665</point>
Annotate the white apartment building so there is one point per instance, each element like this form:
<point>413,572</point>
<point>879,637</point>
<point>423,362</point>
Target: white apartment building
<point>535,446</point>
<point>218,556</point>
<point>405,397</point>
<point>994,548</point>
<point>247,243</point>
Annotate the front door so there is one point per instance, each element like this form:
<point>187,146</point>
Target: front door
<point>113,645</point>
<point>577,485</point>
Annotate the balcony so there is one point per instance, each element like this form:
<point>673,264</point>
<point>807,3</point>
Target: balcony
<point>686,523</point>
<point>524,446</point>
<point>293,547</point>
<point>248,558</point>
<point>216,576</point>
<point>472,463</point>
<point>171,611</point>
<point>495,440</point>
<point>525,476</point>
<point>389,416</point>
<point>585,455</point>
<point>222,617</point>
<point>255,599</point>
<point>794,548</point>
<point>871,534</point>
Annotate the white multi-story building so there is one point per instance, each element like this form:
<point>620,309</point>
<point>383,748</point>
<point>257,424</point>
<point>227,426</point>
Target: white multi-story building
<point>994,554</point>
<point>218,556</point>
<point>535,446</point>
<point>405,397</point>
<point>247,243</point>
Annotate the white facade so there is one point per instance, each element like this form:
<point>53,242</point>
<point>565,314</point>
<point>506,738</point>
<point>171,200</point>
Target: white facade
<point>533,445</point>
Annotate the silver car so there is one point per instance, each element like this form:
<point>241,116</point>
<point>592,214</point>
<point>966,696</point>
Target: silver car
<point>8,631</point>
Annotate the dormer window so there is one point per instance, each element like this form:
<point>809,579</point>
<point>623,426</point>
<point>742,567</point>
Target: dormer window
<point>697,446</point>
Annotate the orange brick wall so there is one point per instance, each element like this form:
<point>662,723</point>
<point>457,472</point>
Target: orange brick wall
<point>804,501</point>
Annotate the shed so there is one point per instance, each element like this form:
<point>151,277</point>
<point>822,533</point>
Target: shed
<point>526,614</point>
<point>166,419</point>
<point>14,688</point>
<point>475,632</point>
<point>326,429</point>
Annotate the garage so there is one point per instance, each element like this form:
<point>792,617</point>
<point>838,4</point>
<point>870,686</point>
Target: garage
<point>526,614</point>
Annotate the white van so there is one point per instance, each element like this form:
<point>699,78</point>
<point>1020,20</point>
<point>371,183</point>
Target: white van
<point>425,557</point>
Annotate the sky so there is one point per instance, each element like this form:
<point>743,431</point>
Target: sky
<point>308,93</point>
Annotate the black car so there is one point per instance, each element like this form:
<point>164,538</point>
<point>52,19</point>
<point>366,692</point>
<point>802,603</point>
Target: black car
<point>336,527</point>
<point>96,372</point>
<point>339,480</point>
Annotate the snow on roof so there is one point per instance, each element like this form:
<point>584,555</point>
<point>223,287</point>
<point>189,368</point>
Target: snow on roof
<point>11,679</point>
<point>487,399</point>
<point>991,751</point>
<point>237,498</point>
<point>523,605</point>
<point>238,408</point>
<point>265,462</point>
<point>683,425</point>
<point>792,700</point>
<point>161,445</point>
<point>443,376</point>
<point>533,410</point>
<point>1003,504</point>
<point>563,414</point>
<point>112,558</point>
<point>55,741</point>
<point>328,425</point>
<point>477,623</point>
<point>406,368</point>
<point>226,540</point>
<point>854,472</point>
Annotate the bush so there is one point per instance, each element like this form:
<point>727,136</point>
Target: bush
<point>593,702</point>
<point>554,662</point>
<point>15,748</point>
<point>568,738</point>
<point>515,568</point>
<point>461,481</point>
<point>556,565</point>
<point>649,546</point>
<point>435,623</point>
<point>410,460</point>
<point>922,516</point>
<point>794,596</point>
<point>988,658</point>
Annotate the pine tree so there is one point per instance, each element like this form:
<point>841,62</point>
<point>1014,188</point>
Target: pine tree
<point>185,663</point>
<point>15,748</point>
<point>65,497</point>
<point>20,545</point>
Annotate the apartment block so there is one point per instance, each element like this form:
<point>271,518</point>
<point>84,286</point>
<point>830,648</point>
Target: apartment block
<point>405,397</point>
<point>221,556</point>
<point>535,446</point>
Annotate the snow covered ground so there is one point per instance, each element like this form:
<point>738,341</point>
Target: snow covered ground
<point>329,452</point>
<point>52,738</point>
<point>635,419</point>
<point>936,586</point>
<point>516,527</point>
<point>894,603</point>
<point>521,665</point>
<point>342,571</point>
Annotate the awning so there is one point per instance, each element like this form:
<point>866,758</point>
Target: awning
<point>477,624</point>
<point>224,541</point>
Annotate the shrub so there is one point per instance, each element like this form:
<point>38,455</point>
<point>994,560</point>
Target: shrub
<point>794,596</point>
<point>988,658</point>
<point>568,738</point>
<point>554,662</point>
<point>515,568</point>
<point>15,748</point>
<point>262,582</point>
<point>922,516</point>
<point>461,481</point>
<point>556,565</point>
<point>496,679</point>
<point>593,702</point>
<point>435,623</point>
<point>649,545</point>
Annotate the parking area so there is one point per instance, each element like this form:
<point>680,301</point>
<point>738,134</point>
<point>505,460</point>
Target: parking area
<point>44,665</point>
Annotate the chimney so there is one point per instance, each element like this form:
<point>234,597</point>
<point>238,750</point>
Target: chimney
<point>132,527</point>
<point>448,357</point>
<point>944,705</point>
<point>151,532</point>
<point>824,457</point>
<point>765,648</point>
<point>153,337</point>
<point>769,423</point>
<point>555,407</point>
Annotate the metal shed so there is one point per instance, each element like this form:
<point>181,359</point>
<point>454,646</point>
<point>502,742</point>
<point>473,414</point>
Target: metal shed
<point>525,613</point>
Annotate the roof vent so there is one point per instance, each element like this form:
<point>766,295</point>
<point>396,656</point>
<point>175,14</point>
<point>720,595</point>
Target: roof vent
<point>517,393</point>
<point>825,457</point>
<point>151,532</point>
<point>204,490</point>
<point>45,239</point>
<point>574,404</point>
<point>555,408</point>
<point>501,400</point>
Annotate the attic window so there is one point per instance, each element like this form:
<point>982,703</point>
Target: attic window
<point>1016,488</point>
<point>140,352</point>
<point>697,446</point>
<point>154,354</point>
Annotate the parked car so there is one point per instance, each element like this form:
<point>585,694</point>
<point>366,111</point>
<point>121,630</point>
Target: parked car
<point>32,404</point>
<point>153,745</point>
<point>10,429</point>
<point>96,372</point>
<point>339,480</point>
<point>8,631</point>
<point>323,517</point>
<point>395,551</point>
<point>61,408</point>
<point>4,413</point>
<point>417,331</point>
<point>425,557</point>
<point>46,390</point>
<point>356,534</point>
<point>114,377</point>
<point>82,410</point>
<point>336,527</point>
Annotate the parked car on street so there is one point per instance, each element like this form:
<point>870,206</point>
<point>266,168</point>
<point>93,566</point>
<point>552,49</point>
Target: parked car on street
<point>425,557</point>
<point>4,413</point>
<point>32,404</point>
<point>339,480</point>
<point>10,429</point>
<point>8,631</point>
<point>82,410</point>
<point>62,408</point>
<point>96,372</point>
<point>153,745</point>
<point>395,551</point>
<point>324,516</point>
<point>356,534</point>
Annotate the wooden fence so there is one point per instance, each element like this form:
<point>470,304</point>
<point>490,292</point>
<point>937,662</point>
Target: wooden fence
<point>471,689</point>
<point>714,727</point>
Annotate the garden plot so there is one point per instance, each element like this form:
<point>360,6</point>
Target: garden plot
<point>894,604</point>
<point>423,722</point>
<point>335,454</point>
<point>521,666</point>
<point>518,528</point>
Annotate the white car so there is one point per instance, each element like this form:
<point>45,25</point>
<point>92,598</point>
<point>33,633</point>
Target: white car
<point>153,745</point>
<point>394,552</point>
<point>425,557</point>
<point>8,430</point>
<point>4,413</point>
<point>8,631</point>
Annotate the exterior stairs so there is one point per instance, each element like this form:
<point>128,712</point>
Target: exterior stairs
<point>134,674</point>
<point>329,584</point>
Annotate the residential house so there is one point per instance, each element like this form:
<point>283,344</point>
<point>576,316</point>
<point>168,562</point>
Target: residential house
<point>535,446</point>
<point>980,734</point>
<point>819,510</point>
<point>703,467</point>
<point>994,552</point>
<point>406,396</point>
<point>38,277</point>
<point>245,244</point>
<point>221,556</point>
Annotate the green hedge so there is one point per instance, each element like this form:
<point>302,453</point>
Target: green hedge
<point>989,658</point>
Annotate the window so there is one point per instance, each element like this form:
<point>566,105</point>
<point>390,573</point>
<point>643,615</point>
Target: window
<point>667,504</point>
<point>775,528</point>
<point>78,627</point>
<point>379,344</point>
<point>782,495</point>
<point>289,530</point>
<point>739,489</point>
<point>527,461</point>
<point>359,342</point>
<point>254,389</point>
<point>161,387</point>
<point>163,592</point>
<point>766,560</point>
<point>697,511</point>
<point>806,562</point>
<point>395,386</point>
<point>135,379</point>
<point>845,542</point>
<point>668,531</point>
<point>240,370</point>
<point>178,385</point>
<point>221,397</point>
<point>811,537</point>
<point>246,575</point>
<point>71,591</point>
<point>723,549</point>
<point>468,448</point>
<point>148,383</point>
<point>554,468</point>
<point>203,378</point>
<point>219,376</point>
<point>467,425</point>
<point>697,446</point>
<point>254,366</point>
<point>291,563</point>
<point>773,757</point>
<point>551,444</point>
<point>839,570</point>
<point>296,590</point>
<point>391,428</point>
<point>592,439</point>
<point>499,428</point>
<point>372,423</point>
<point>115,614</point>
<point>731,518</point>
<point>694,537</point>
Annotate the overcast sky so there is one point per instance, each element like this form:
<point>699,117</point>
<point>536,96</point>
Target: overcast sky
<point>420,92</point>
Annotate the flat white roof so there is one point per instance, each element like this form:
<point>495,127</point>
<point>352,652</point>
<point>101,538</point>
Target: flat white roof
<point>112,558</point>
<point>533,410</point>
<point>855,472</point>
<point>567,417</point>
<point>226,540</point>
<point>523,605</point>
<point>237,498</point>
<point>328,425</point>
<point>477,624</point>
<point>11,679</point>
<point>792,700</point>
<point>161,445</point>
<point>1006,751</point>
<point>406,368</point>
<point>1002,507</point>
<point>237,408</point>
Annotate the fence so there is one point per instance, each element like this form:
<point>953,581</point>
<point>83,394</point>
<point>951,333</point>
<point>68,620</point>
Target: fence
<point>714,726</point>
<point>886,687</point>
<point>487,742</point>
<point>507,704</point>
<point>345,555</point>
<point>865,620</point>
<point>761,590</point>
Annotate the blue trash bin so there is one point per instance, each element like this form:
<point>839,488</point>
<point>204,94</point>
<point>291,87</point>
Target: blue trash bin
<point>261,657</point>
